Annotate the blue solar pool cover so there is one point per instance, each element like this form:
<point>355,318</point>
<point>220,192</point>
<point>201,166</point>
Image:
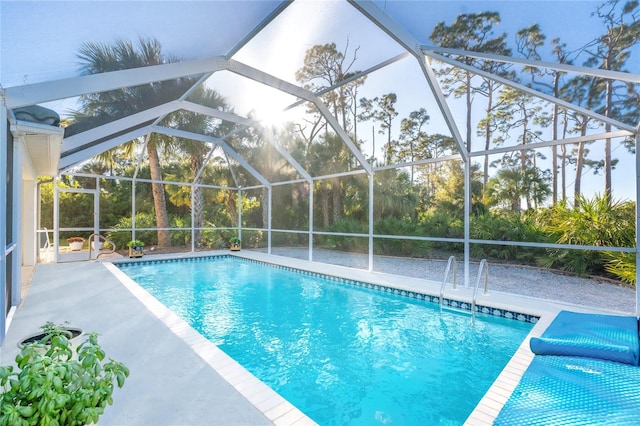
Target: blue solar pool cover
<point>608,337</point>
<point>560,390</point>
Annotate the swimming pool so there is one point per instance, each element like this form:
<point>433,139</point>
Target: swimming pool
<point>343,354</point>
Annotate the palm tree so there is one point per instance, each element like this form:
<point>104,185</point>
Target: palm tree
<point>100,108</point>
<point>511,185</point>
<point>196,151</point>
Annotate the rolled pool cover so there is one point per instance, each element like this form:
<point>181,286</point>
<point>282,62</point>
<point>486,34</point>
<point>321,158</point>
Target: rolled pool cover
<point>570,391</point>
<point>607,337</point>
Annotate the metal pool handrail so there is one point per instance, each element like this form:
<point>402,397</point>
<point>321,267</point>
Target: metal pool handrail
<point>100,237</point>
<point>483,271</point>
<point>452,261</point>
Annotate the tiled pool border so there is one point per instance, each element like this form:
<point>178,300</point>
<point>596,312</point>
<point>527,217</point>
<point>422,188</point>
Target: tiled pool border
<point>451,303</point>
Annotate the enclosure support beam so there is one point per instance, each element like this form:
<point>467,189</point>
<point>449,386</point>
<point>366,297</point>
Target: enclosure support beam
<point>86,139</point>
<point>371,187</point>
<point>467,225</point>
<point>211,140</point>
<point>56,225</point>
<point>637,219</point>
<point>36,93</point>
<point>370,10</point>
<point>193,219</point>
<point>133,208</point>
<point>96,222</point>
<point>310,221</point>
<point>240,214</point>
<point>568,68</point>
<point>269,210</point>
<point>532,92</point>
<point>284,86</point>
<point>70,159</point>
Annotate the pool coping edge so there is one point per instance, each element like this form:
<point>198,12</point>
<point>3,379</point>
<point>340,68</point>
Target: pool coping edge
<point>271,404</point>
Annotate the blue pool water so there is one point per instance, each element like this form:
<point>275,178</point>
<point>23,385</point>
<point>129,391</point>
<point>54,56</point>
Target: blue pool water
<point>343,354</point>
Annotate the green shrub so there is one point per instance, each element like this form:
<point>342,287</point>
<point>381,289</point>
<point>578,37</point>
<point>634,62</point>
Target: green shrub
<point>143,220</point>
<point>399,247</point>
<point>512,227</point>
<point>215,239</point>
<point>289,239</point>
<point>622,265</point>
<point>593,222</point>
<point>345,243</point>
<point>180,237</point>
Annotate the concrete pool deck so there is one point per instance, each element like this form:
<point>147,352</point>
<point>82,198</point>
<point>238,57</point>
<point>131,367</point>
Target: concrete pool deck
<point>177,376</point>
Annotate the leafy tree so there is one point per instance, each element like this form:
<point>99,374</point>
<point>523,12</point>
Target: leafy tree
<point>416,144</point>
<point>113,162</point>
<point>324,67</point>
<point>610,51</point>
<point>489,125</point>
<point>580,91</point>
<point>449,194</point>
<point>520,111</point>
<point>412,135</point>
<point>472,32</point>
<point>529,40</point>
<point>382,109</point>
<point>393,195</point>
<point>325,158</point>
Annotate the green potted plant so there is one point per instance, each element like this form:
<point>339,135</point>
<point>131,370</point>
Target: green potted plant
<point>234,243</point>
<point>49,331</point>
<point>53,384</point>
<point>135,248</point>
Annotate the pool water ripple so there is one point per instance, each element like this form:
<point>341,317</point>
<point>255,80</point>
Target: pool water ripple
<point>344,355</point>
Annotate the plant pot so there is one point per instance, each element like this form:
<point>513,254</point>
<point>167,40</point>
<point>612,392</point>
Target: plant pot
<point>100,245</point>
<point>235,247</point>
<point>136,251</point>
<point>74,335</point>
<point>76,245</point>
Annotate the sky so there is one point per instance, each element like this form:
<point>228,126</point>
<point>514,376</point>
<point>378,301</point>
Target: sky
<point>39,40</point>
<point>571,21</point>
